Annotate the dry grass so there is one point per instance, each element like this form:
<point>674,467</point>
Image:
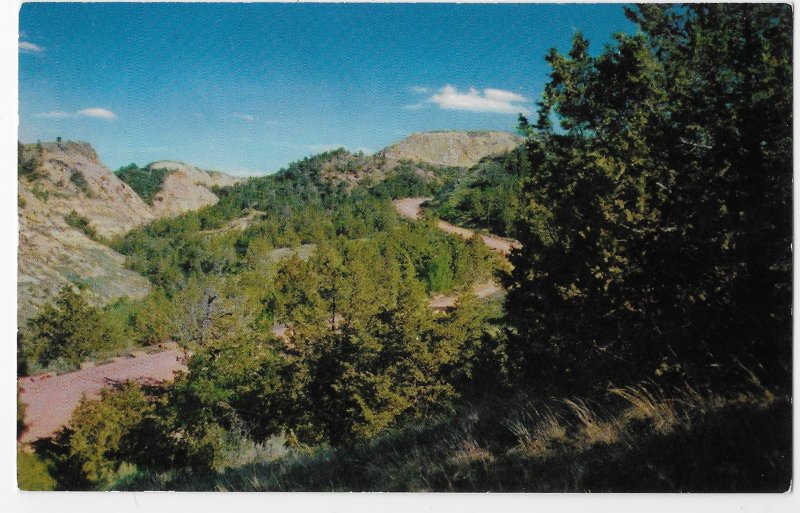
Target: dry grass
<point>637,439</point>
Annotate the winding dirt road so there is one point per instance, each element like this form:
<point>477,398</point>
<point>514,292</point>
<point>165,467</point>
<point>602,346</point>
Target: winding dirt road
<point>50,400</point>
<point>412,208</point>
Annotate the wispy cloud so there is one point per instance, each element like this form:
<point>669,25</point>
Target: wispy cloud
<point>489,100</point>
<point>55,114</point>
<point>28,47</point>
<point>420,89</point>
<point>97,112</point>
<point>245,117</point>
<point>91,112</point>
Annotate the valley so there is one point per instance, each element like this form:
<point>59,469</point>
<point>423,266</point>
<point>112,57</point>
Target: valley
<point>600,301</point>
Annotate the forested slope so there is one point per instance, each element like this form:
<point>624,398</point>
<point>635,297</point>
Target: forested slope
<point>644,343</point>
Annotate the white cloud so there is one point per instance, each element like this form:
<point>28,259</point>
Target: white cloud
<point>245,117</point>
<point>56,114</point>
<point>91,112</point>
<point>420,89</point>
<point>27,46</point>
<point>490,100</point>
<point>96,112</point>
<point>503,96</point>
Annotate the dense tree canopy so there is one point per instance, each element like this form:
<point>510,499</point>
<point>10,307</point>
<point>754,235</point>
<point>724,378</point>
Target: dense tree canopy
<point>656,234</point>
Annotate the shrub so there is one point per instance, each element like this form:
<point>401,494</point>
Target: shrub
<point>28,161</point>
<point>70,329</point>
<point>80,222</point>
<point>40,193</point>
<point>100,428</point>
<point>79,180</point>
<point>146,182</point>
<point>32,473</point>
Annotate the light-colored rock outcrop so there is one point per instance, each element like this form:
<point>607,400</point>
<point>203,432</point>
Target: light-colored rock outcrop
<point>450,148</point>
<point>186,188</point>
<point>51,253</point>
<point>419,151</point>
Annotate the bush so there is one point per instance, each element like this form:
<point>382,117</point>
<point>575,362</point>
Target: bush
<point>80,222</point>
<point>69,329</point>
<point>146,182</point>
<point>79,180</point>
<point>32,472</point>
<point>100,427</point>
<point>28,161</point>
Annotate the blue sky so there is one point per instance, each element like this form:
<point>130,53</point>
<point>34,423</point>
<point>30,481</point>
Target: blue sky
<point>247,88</point>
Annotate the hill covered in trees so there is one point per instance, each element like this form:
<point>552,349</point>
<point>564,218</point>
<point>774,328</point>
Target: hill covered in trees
<point>644,342</point>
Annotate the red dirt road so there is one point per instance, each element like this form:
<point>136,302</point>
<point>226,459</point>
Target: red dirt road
<point>50,400</point>
<point>412,207</point>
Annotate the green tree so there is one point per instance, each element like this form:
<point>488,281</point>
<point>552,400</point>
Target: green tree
<point>154,319</point>
<point>68,328</point>
<point>100,430</point>
<point>669,168</point>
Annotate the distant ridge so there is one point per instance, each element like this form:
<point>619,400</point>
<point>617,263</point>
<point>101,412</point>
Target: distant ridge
<point>451,148</point>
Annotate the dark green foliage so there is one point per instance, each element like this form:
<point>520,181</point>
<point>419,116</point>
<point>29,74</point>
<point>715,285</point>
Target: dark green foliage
<point>80,222</point>
<point>99,438</point>
<point>77,178</point>
<point>146,182</point>
<point>487,196</point>
<point>657,225</point>
<point>296,207</point>
<point>234,383</point>
<point>404,181</point>
<point>68,329</point>
<point>28,161</point>
<point>20,414</point>
<point>107,437</point>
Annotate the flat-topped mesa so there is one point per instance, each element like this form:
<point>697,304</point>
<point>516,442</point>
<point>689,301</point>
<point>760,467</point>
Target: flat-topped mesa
<point>450,148</point>
<point>439,149</point>
<point>186,188</point>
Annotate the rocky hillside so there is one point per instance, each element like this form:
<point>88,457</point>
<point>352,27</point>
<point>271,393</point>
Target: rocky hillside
<point>69,202</point>
<point>451,148</point>
<point>73,178</point>
<point>69,186</point>
<point>421,151</point>
<point>186,188</point>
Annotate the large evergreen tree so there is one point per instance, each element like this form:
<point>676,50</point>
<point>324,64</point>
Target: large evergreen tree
<point>656,234</point>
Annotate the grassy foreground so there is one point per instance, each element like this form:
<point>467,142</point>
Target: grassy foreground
<point>633,441</point>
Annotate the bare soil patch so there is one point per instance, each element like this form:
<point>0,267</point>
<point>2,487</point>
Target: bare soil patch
<point>50,400</point>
